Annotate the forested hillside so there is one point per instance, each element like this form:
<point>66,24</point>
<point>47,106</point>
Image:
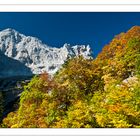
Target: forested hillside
<point>86,93</point>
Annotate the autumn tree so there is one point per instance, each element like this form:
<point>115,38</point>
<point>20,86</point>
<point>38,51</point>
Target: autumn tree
<point>86,93</point>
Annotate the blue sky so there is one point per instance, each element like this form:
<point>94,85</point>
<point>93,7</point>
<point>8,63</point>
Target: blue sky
<point>56,28</point>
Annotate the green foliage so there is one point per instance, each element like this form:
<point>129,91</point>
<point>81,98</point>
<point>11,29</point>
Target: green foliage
<point>134,42</point>
<point>138,65</point>
<point>78,115</point>
<point>119,106</point>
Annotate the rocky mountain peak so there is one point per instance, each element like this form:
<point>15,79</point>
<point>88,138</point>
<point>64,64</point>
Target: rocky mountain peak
<point>39,57</point>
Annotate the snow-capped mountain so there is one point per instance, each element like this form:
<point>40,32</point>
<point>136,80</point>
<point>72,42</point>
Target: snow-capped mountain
<point>39,57</point>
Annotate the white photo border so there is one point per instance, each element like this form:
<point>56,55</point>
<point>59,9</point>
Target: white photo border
<point>69,132</point>
<point>77,2</point>
<point>69,8</point>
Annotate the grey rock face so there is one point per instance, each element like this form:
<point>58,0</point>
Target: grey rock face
<point>35,55</point>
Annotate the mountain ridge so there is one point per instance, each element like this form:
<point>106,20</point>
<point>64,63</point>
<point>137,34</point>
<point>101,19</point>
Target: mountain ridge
<point>34,54</point>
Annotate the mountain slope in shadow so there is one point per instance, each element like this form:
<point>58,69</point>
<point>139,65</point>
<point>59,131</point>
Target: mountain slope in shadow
<point>10,67</point>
